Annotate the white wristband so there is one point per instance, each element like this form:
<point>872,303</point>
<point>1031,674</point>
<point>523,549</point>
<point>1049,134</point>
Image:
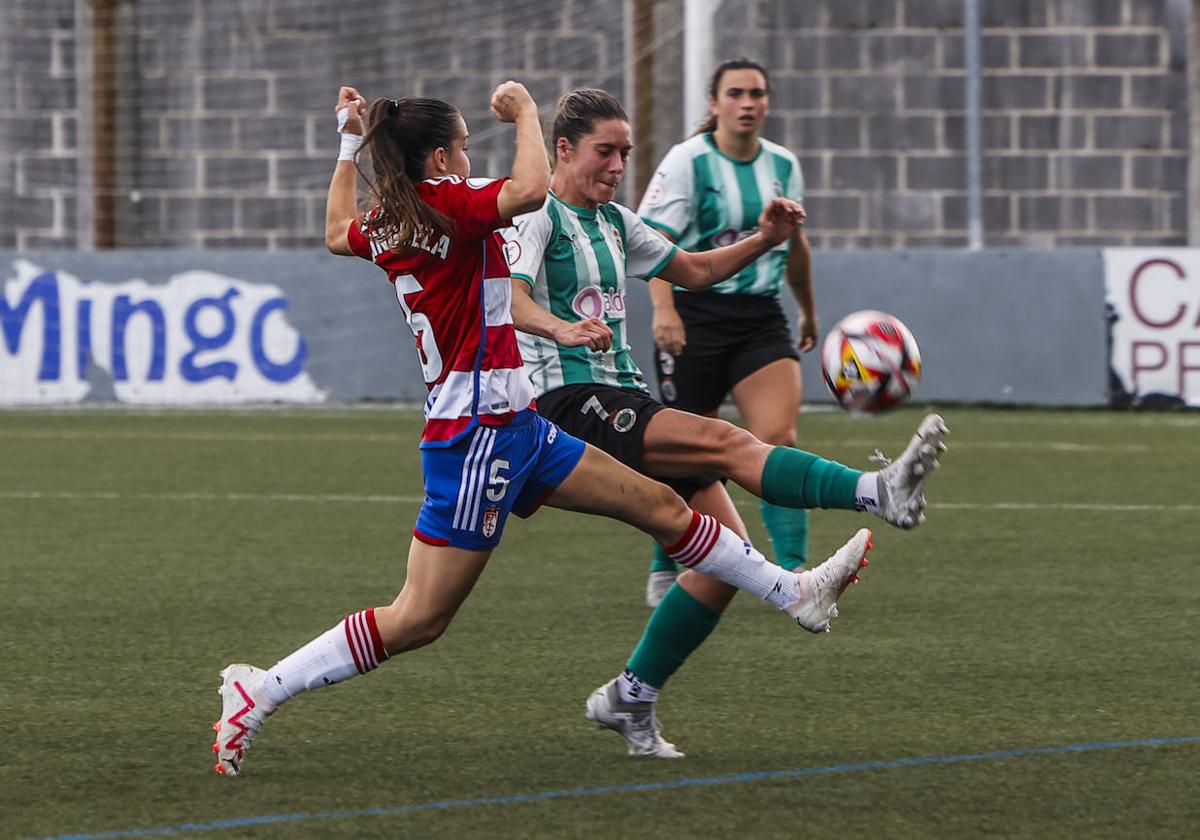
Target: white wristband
<point>350,144</point>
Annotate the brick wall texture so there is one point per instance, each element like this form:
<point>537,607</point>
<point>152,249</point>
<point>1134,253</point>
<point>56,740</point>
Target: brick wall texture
<point>225,133</point>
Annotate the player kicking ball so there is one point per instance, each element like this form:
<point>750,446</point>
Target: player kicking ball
<point>485,452</point>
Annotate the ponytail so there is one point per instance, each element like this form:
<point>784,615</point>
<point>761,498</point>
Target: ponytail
<point>709,124</point>
<point>402,134</point>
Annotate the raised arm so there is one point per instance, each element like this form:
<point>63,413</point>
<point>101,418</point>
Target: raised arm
<point>526,190</point>
<point>530,318</point>
<point>341,206</point>
<point>707,268</point>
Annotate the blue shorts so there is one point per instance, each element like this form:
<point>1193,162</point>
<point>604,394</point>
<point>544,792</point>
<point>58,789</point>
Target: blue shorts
<point>470,487</point>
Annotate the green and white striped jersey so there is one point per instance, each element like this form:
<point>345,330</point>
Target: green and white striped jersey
<point>576,261</point>
<point>705,199</point>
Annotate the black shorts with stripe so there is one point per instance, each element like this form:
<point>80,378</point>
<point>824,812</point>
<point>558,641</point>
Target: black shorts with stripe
<point>729,337</point>
<point>612,419</point>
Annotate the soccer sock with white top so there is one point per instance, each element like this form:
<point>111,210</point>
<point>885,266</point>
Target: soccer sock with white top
<point>350,648</point>
<point>798,479</point>
<point>712,549</point>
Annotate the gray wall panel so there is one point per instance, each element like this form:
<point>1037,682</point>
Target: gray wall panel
<point>1008,327</point>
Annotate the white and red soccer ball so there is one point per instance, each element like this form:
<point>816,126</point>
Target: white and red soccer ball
<point>870,361</point>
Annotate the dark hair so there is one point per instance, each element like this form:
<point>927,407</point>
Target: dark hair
<point>400,136</point>
<point>578,111</point>
<point>709,124</point>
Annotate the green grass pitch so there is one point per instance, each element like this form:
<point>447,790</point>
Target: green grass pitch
<point>1052,598</point>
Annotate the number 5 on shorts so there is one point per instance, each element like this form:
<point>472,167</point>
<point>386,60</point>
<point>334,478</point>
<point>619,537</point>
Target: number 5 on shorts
<point>497,485</point>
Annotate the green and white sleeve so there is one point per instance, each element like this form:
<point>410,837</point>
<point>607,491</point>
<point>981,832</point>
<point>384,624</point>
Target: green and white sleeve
<point>667,204</point>
<point>525,244</point>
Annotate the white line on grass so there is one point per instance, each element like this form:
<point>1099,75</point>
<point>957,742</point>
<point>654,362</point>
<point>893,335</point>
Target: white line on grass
<point>814,444</point>
<point>387,499</point>
<point>639,787</point>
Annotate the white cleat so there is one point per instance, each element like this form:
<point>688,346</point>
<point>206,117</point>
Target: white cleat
<point>242,715</point>
<point>635,722</point>
<point>657,585</point>
<point>902,482</point>
<point>821,587</point>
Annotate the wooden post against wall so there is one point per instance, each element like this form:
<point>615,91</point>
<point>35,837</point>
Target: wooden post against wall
<point>646,155</point>
<point>104,122</point>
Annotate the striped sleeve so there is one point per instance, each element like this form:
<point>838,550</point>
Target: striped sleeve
<point>646,250</point>
<point>525,244</point>
<point>795,185</point>
<point>667,203</point>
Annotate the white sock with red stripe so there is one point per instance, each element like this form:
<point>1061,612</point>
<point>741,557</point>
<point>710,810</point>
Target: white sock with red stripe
<point>350,648</point>
<point>712,549</point>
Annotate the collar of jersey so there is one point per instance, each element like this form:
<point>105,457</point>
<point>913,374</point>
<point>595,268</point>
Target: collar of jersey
<point>712,143</point>
<point>585,212</point>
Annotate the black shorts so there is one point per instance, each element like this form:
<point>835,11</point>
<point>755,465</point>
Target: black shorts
<point>612,419</point>
<point>729,337</point>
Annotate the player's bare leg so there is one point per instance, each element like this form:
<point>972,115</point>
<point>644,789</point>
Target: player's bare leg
<point>439,579</point>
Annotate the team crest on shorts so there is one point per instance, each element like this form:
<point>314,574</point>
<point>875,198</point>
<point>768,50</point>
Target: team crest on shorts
<point>491,517</point>
<point>624,419</point>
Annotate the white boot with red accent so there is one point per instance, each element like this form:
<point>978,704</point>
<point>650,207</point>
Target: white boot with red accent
<point>243,710</point>
<point>821,587</point>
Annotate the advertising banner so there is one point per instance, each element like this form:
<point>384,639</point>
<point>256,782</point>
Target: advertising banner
<point>199,337</point>
<point>1153,298</point>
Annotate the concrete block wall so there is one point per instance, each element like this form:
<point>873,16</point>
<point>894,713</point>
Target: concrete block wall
<point>226,130</point>
<point>226,134</point>
<point>1084,117</point>
<point>40,122</point>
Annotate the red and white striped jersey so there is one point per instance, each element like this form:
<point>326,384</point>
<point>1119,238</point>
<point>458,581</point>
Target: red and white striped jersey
<point>456,295</point>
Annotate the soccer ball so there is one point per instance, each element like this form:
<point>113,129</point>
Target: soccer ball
<point>870,361</point>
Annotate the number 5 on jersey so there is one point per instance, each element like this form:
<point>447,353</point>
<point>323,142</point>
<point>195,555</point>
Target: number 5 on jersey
<point>427,349</point>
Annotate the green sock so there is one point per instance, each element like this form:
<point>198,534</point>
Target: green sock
<point>788,528</point>
<point>676,628</point>
<point>798,479</point>
<point>661,562</point>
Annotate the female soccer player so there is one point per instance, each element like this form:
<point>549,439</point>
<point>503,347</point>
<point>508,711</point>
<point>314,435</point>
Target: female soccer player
<point>733,336</point>
<point>569,261</point>
<point>485,452</point>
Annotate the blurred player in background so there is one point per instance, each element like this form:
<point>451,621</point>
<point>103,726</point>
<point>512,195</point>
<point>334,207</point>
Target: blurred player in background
<point>569,261</point>
<point>733,337</point>
<point>485,452</point>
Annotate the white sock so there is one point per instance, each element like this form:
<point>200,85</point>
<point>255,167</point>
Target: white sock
<point>866,492</point>
<point>350,648</point>
<point>632,690</point>
<point>712,549</point>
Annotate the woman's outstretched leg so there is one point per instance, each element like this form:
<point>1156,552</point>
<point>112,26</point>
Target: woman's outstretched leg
<point>439,579</point>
